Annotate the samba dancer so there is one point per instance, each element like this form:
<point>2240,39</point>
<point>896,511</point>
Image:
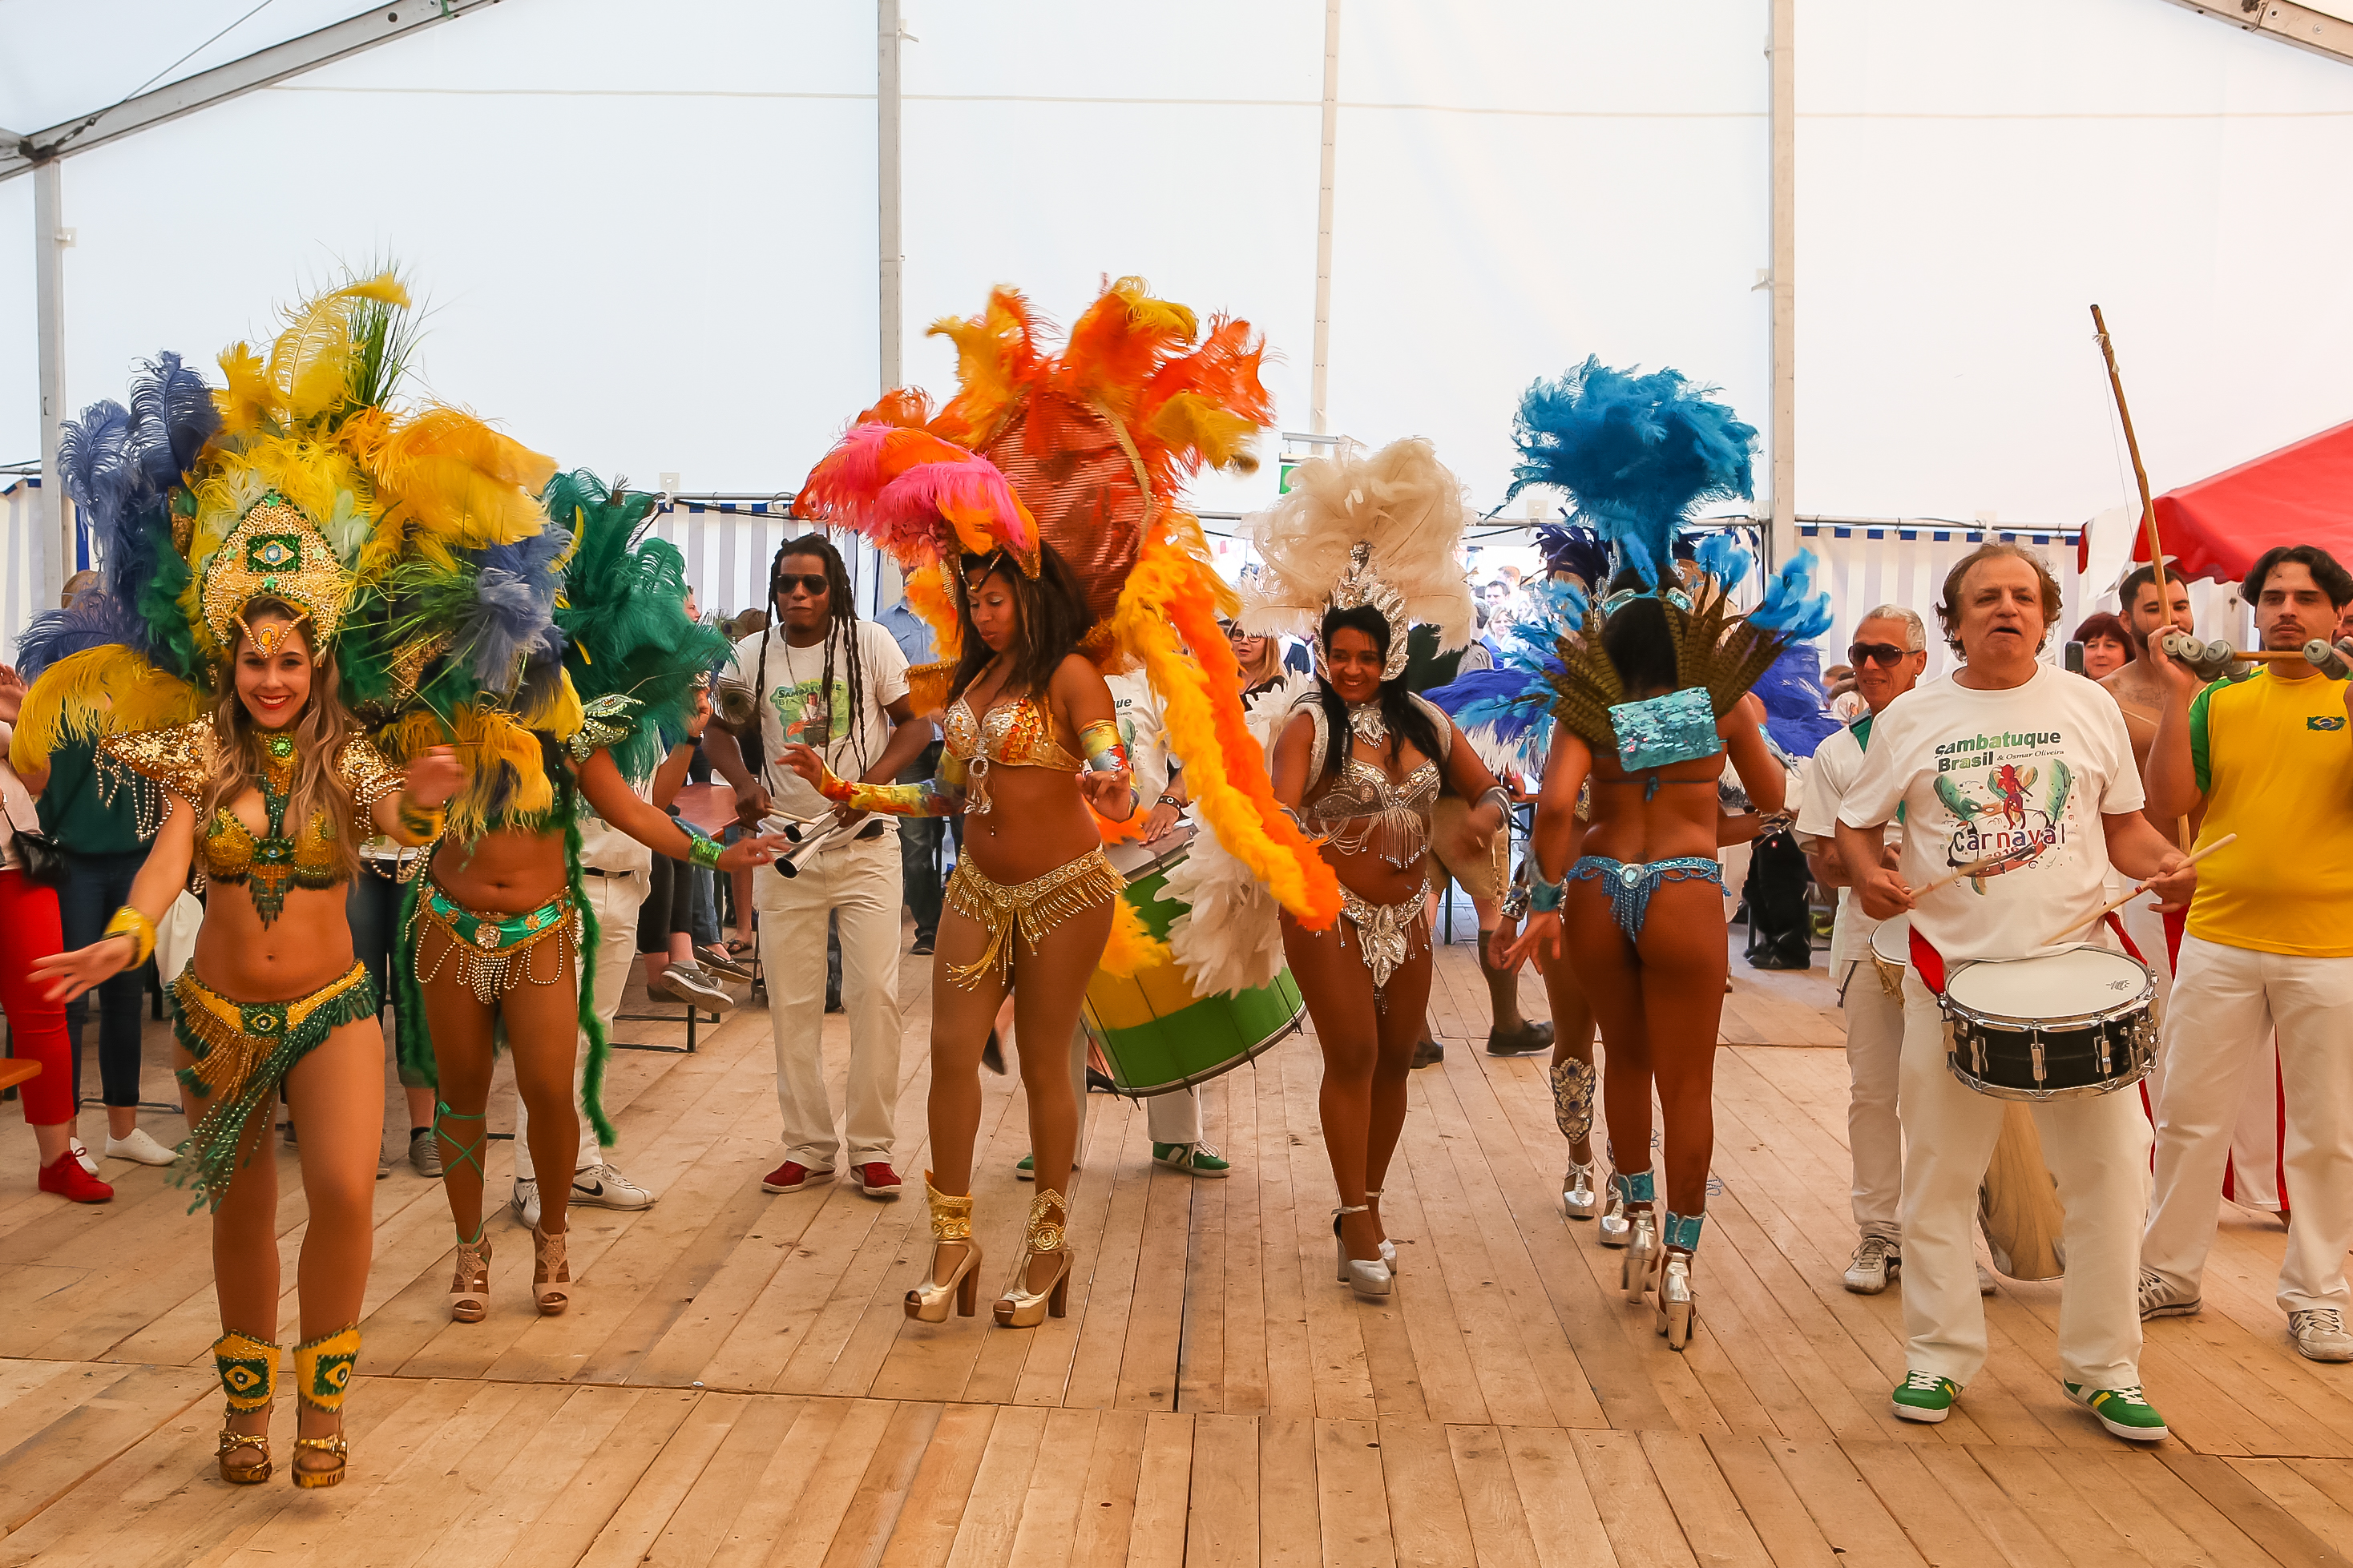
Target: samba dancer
<point>1650,701</point>
<point>268,792</point>
<point>1364,764</point>
<point>2006,754</point>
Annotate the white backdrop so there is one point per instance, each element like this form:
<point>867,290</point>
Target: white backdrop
<point>648,232</point>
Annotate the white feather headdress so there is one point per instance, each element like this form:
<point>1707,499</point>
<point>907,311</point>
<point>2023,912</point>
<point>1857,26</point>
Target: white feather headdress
<point>1404,507</point>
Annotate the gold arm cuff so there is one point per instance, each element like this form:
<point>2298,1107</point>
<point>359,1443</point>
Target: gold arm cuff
<point>129,923</point>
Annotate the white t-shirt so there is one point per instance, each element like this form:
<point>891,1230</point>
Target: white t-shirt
<point>1136,708</point>
<point>1828,773</point>
<point>1978,773</point>
<point>792,708</point>
<point>605,847</point>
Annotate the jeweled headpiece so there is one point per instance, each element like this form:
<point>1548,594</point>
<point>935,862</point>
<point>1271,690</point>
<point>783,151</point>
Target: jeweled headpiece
<point>1382,530</point>
<point>275,553</point>
<point>1358,587</point>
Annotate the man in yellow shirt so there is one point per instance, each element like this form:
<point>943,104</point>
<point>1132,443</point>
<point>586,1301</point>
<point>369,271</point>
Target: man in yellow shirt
<point>2268,948</point>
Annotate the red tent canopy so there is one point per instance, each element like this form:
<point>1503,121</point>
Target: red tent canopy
<point>2298,495</point>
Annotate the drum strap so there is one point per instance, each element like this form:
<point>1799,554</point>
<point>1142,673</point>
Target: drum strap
<point>1927,962</point>
<point>2118,926</point>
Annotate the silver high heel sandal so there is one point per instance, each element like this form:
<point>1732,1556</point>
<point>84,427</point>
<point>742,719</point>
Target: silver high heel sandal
<point>1388,1247</point>
<point>1369,1277</point>
<point>1577,1199</point>
<point>1677,1306</point>
<point>1641,1233</point>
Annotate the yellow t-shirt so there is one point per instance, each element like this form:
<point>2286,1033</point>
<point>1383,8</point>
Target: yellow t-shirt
<point>2276,760</point>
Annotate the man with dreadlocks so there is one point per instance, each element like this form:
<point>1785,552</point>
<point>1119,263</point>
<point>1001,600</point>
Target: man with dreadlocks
<point>826,679</point>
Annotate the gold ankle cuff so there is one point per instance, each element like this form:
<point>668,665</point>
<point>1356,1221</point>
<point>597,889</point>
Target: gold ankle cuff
<point>323,1368</point>
<point>951,1218</point>
<point>1046,1235</point>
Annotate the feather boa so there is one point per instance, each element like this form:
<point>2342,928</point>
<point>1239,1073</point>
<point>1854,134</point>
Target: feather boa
<point>111,689</point>
<point>1229,938</point>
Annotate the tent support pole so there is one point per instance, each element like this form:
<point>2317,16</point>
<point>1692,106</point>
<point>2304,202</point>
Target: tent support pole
<point>1319,382</point>
<point>49,241</point>
<point>1781,537</point>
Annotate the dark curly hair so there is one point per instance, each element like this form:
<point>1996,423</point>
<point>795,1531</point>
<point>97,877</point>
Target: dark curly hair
<point>1053,619</point>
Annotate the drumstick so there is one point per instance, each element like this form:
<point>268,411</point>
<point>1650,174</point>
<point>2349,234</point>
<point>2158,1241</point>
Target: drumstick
<point>1978,868</point>
<point>2103,911</point>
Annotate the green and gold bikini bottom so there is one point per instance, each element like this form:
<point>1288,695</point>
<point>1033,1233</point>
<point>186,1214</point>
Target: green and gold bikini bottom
<point>243,1051</point>
<point>493,952</point>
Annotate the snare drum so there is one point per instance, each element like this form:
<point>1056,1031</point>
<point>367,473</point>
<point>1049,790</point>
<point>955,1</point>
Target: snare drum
<point>1891,953</point>
<point>1156,1034</point>
<point>2071,1024</point>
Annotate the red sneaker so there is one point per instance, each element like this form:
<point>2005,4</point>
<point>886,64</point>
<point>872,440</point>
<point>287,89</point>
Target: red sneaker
<point>792,1176</point>
<point>65,1177</point>
<point>875,1179</point>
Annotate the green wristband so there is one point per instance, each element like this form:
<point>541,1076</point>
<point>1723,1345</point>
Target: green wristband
<point>705,850</point>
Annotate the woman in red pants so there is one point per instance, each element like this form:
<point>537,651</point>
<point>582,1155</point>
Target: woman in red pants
<point>37,1027</point>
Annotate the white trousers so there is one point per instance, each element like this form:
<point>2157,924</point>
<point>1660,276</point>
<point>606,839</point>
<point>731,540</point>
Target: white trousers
<point>862,882</point>
<point>2226,1002</point>
<point>2098,1151</point>
<point>1173,1118</point>
<point>1874,1059</point>
<point>614,901</point>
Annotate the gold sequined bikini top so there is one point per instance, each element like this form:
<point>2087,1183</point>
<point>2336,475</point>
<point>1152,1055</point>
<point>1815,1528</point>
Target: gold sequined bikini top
<point>1018,734</point>
<point>181,760</point>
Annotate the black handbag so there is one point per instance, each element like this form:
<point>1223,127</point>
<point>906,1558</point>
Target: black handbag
<point>38,854</point>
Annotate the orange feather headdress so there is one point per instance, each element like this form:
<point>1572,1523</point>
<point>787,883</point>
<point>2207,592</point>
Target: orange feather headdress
<point>1096,442</point>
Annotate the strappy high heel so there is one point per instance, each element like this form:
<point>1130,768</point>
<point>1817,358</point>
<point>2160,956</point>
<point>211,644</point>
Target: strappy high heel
<point>551,1270</point>
<point>1020,1306</point>
<point>951,1225</point>
<point>248,1375</point>
<point>1637,1202</point>
<point>322,1376</point>
<point>1678,1305</point>
<point>1577,1199</point>
<point>469,1288</point>
<point>1370,1278</point>
<point>1388,1247</point>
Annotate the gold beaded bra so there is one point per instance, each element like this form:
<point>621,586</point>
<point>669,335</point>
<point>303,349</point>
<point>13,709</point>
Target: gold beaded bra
<point>181,760</point>
<point>1020,735</point>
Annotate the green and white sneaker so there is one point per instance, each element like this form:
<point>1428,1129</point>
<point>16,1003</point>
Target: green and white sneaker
<point>2123,1411</point>
<point>1923,1396</point>
<point>1027,1170</point>
<point>1193,1159</point>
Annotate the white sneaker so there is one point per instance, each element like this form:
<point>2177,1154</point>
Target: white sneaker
<point>1985,1281</point>
<point>690,984</point>
<point>603,1187</point>
<point>139,1147</point>
<point>1876,1261</point>
<point>82,1156</point>
<point>2159,1299</point>
<point>2320,1334</point>
<point>526,1201</point>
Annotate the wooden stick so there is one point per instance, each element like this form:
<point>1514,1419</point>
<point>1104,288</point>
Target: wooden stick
<point>2132,445</point>
<point>1977,868</point>
<point>2107,910</point>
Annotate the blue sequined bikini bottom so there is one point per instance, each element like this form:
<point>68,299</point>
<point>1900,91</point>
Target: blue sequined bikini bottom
<point>1632,882</point>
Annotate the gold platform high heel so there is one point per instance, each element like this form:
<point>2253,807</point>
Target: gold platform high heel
<point>1020,1306</point>
<point>951,1225</point>
<point>1677,1306</point>
<point>551,1272</point>
<point>248,1375</point>
<point>322,1374</point>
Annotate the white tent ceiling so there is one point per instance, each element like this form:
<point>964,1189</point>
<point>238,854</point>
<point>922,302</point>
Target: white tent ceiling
<point>649,232</point>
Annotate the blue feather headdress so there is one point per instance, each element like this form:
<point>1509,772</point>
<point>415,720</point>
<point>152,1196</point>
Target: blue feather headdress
<point>1640,454</point>
<point>120,466</point>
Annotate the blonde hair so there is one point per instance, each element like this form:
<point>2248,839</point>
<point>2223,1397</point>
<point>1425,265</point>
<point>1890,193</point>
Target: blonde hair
<point>321,731</point>
<point>1269,660</point>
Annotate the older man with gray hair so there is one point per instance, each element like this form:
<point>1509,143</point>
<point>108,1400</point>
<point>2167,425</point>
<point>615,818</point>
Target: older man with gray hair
<point>1890,651</point>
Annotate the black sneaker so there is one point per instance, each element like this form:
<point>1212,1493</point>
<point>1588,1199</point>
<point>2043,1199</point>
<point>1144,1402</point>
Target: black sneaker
<point>1530,1038</point>
<point>1427,1053</point>
<point>922,948</point>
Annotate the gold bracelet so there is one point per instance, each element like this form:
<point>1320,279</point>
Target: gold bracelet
<point>129,923</point>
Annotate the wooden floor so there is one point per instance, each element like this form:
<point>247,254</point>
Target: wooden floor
<point>735,1383</point>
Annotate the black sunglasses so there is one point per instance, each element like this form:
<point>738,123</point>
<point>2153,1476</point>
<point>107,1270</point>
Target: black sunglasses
<point>1887,655</point>
<point>813,584</point>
